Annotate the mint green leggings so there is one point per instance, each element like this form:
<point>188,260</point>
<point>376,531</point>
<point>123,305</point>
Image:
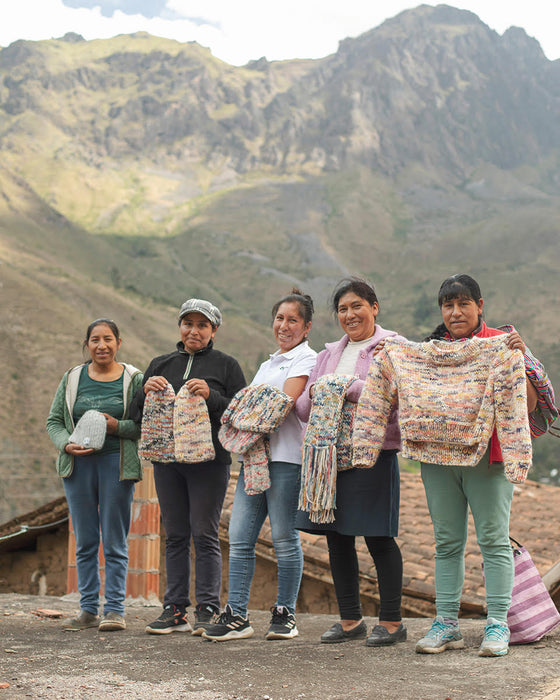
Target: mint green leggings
<point>449,492</point>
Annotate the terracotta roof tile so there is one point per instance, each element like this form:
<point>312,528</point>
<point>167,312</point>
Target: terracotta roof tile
<point>534,504</point>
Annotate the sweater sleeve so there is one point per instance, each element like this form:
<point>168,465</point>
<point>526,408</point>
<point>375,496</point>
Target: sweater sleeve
<point>303,403</point>
<point>56,427</point>
<point>128,428</point>
<point>374,409</point>
<point>512,425</point>
<point>234,380</point>
<point>355,390</point>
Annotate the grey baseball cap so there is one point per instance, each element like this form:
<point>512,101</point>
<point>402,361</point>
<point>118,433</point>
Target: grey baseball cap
<point>203,307</point>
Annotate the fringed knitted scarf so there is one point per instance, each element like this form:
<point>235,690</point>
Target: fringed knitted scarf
<point>327,446</point>
<point>175,428</point>
<point>251,415</point>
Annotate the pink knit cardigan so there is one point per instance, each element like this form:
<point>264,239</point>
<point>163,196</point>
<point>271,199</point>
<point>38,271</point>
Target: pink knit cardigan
<point>327,361</point>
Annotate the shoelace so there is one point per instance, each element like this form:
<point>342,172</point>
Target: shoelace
<point>436,628</point>
<point>494,632</point>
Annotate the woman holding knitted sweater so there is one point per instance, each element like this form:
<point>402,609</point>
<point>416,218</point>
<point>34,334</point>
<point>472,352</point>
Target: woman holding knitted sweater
<point>367,500</point>
<point>287,370</point>
<point>191,493</point>
<point>451,490</point>
<point>91,407</point>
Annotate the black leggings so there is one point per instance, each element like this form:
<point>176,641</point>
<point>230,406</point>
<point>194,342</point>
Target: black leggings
<point>345,572</point>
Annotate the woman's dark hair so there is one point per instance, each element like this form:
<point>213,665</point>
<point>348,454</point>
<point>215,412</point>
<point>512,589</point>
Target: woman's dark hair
<point>102,321</point>
<point>459,287</point>
<point>455,287</point>
<point>357,285</point>
<point>304,302</point>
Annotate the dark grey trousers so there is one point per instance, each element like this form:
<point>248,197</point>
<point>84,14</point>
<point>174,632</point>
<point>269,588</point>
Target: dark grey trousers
<point>191,498</point>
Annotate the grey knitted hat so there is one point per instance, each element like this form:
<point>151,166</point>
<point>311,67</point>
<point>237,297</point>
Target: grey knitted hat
<point>90,430</point>
<point>203,307</point>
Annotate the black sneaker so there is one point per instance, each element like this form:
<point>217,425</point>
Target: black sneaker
<point>172,619</point>
<point>282,625</point>
<point>229,626</point>
<point>204,617</point>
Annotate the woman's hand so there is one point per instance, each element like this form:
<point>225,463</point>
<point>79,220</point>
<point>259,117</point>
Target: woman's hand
<point>378,348</point>
<point>155,384</point>
<point>112,424</point>
<point>198,387</point>
<point>77,450</point>
<point>515,342</point>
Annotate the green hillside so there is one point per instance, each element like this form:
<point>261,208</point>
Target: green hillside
<point>136,172</point>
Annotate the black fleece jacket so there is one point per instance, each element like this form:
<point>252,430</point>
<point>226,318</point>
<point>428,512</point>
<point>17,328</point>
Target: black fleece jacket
<point>222,373</point>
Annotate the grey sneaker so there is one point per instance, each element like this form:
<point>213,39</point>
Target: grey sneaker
<point>82,621</point>
<point>496,638</point>
<point>112,622</point>
<point>441,636</point>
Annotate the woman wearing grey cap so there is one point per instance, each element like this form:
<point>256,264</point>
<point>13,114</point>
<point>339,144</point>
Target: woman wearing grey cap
<point>191,495</point>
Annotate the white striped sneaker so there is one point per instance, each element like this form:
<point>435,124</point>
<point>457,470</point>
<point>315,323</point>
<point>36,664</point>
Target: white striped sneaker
<point>283,624</point>
<point>229,626</point>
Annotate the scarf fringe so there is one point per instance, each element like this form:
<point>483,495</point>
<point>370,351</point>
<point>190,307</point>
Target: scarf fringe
<point>317,495</point>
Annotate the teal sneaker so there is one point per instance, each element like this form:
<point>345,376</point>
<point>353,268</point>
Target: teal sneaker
<point>440,637</point>
<point>496,638</point>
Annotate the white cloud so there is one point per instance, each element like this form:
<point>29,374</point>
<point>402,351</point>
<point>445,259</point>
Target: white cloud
<point>248,29</point>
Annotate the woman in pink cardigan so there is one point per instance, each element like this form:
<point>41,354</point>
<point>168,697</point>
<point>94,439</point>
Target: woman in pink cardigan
<point>367,500</point>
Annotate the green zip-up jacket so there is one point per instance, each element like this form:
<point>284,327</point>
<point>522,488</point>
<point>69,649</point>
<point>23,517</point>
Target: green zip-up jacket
<point>60,423</point>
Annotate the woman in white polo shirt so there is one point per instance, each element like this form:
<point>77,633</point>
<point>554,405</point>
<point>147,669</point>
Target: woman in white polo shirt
<point>287,369</point>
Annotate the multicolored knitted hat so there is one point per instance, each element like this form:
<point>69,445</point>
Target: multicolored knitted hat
<point>156,440</point>
<point>191,428</point>
<point>90,430</point>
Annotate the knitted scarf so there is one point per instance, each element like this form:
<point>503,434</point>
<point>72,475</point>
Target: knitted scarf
<point>192,431</point>
<point>327,446</point>
<point>251,415</point>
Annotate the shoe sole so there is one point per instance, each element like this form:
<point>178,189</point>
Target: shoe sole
<point>282,635</point>
<point>233,634</point>
<point>488,652</point>
<point>111,627</point>
<point>458,644</point>
<point>384,643</point>
<point>340,640</point>
<point>68,628</point>
<point>197,631</point>
<point>169,630</point>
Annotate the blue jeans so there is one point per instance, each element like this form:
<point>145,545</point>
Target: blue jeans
<point>248,514</point>
<point>98,499</point>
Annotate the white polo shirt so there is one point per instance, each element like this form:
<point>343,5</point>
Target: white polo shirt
<point>285,443</point>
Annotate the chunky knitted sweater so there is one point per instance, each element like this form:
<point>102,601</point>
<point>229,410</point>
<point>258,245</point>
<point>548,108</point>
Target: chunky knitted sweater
<point>450,397</point>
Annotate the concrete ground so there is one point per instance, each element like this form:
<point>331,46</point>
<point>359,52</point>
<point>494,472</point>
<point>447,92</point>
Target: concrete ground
<point>40,660</point>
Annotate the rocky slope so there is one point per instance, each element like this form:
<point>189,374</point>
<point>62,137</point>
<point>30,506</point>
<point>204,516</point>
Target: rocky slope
<point>137,171</point>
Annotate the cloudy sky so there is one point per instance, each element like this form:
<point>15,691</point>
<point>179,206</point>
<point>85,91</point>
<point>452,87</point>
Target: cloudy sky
<point>240,30</point>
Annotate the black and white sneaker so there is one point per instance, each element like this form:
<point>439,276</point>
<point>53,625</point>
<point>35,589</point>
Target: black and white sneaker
<point>204,617</point>
<point>283,624</point>
<point>229,626</point>
<point>172,619</point>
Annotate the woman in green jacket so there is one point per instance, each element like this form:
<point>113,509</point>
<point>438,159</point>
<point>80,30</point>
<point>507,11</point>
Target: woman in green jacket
<point>99,483</point>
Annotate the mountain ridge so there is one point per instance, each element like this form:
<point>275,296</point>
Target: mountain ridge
<point>137,171</point>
